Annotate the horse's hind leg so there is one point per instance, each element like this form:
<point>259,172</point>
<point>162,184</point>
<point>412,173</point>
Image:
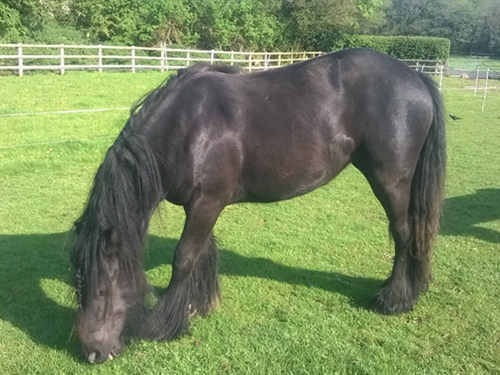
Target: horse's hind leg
<point>194,286</point>
<point>400,291</point>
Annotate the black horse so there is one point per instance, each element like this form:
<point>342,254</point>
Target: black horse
<point>212,136</point>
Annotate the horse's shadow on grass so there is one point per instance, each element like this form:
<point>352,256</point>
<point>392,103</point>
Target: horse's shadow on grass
<point>463,215</point>
<point>27,260</point>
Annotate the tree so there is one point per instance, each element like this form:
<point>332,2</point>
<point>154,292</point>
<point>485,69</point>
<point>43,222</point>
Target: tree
<point>469,24</point>
<point>313,24</point>
<point>11,27</point>
<point>237,25</point>
<point>488,28</point>
<point>172,22</point>
<point>37,21</point>
<point>108,20</point>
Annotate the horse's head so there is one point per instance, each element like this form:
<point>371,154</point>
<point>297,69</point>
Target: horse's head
<point>110,293</point>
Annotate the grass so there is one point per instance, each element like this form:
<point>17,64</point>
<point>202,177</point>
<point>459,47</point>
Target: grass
<point>472,62</point>
<point>296,276</point>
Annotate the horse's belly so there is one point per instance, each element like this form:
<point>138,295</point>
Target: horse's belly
<point>285,181</point>
<point>288,166</point>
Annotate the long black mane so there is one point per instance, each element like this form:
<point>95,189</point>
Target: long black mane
<point>127,188</point>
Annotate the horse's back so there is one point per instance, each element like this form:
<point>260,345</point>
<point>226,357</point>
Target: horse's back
<point>280,133</point>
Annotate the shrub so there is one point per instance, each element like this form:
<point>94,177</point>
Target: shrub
<point>402,47</point>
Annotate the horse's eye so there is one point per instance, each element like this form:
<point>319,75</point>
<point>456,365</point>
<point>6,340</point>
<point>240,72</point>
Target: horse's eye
<point>102,292</point>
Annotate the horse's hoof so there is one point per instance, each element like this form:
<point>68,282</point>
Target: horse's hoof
<point>389,301</point>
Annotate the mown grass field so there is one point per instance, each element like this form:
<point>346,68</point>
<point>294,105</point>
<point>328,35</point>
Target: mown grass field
<point>296,276</point>
<point>472,62</point>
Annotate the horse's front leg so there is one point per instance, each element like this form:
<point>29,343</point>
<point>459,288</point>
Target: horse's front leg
<point>194,286</point>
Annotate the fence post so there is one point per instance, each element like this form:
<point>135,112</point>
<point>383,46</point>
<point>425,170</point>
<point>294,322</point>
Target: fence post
<point>62,59</point>
<point>249,63</point>
<point>188,57</point>
<point>279,58</point>
<point>441,78</point>
<point>162,57</point>
<point>133,59</point>
<point>99,56</point>
<point>485,89</point>
<point>477,79</point>
<point>212,57</point>
<point>232,58</point>
<point>438,65</point>
<point>20,59</point>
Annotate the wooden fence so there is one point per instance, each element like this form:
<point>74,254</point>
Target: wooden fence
<point>23,57</point>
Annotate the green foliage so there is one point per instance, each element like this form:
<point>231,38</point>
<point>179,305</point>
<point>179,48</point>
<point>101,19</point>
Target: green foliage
<point>471,25</point>
<point>54,33</point>
<point>237,25</point>
<point>312,24</point>
<point>209,24</point>
<point>173,22</point>
<point>402,47</point>
<point>11,27</point>
<point>108,20</point>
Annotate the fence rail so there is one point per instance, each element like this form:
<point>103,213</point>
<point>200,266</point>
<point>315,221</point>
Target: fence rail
<point>23,57</point>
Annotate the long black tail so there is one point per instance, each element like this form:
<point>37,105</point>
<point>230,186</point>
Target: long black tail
<point>427,192</point>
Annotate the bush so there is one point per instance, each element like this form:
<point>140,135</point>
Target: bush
<point>53,33</point>
<point>402,47</point>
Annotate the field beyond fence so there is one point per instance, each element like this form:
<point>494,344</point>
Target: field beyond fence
<point>297,276</point>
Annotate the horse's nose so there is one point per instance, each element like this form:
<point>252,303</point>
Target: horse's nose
<point>93,356</point>
<point>96,354</point>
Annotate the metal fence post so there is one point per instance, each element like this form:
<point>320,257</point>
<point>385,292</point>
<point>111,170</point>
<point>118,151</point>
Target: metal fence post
<point>477,79</point>
<point>485,89</point>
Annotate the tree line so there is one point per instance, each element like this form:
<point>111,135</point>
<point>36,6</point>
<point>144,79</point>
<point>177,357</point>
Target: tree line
<point>261,25</point>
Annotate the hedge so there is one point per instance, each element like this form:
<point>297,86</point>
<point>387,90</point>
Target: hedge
<point>402,47</point>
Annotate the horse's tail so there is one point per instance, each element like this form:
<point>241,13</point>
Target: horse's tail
<point>427,191</point>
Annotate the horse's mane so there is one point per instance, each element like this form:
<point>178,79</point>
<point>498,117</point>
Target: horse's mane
<point>127,188</point>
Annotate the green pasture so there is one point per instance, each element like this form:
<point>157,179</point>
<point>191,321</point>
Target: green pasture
<point>296,276</point>
<point>472,62</point>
